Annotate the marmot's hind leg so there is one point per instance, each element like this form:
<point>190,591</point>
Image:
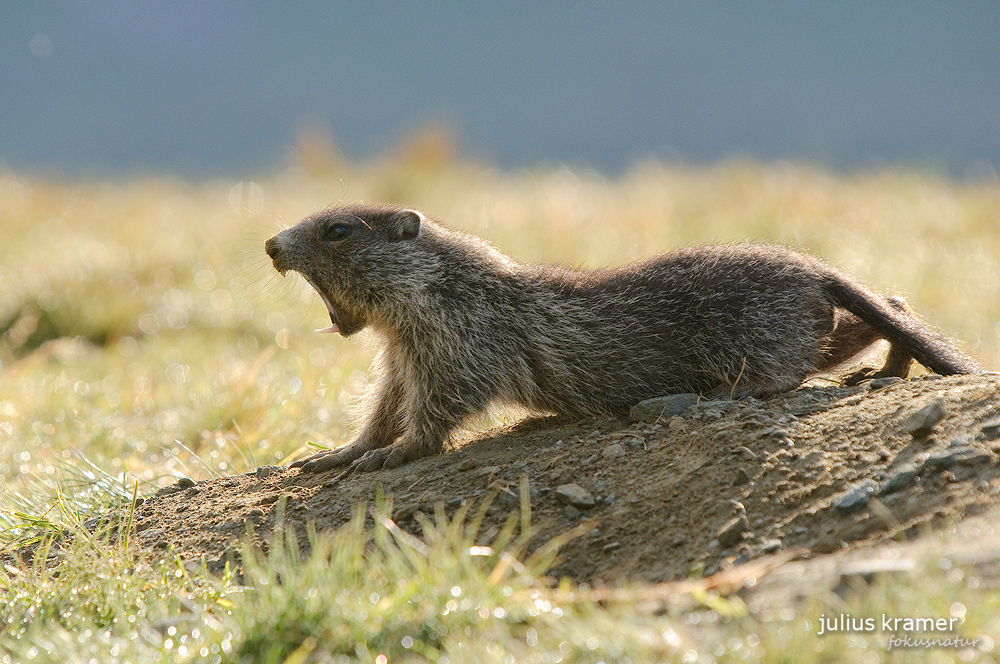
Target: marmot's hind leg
<point>851,335</point>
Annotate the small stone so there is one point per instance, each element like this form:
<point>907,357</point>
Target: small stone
<point>991,429</point>
<point>921,423</point>
<point>856,497</point>
<point>733,531</point>
<point>900,478</point>
<point>504,498</point>
<point>176,487</point>
<point>771,546</point>
<point>775,432</point>
<point>879,383</point>
<point>613,451</point>
<point>571,513</point>
<point>610,498</point>
<point>179,485</point>
<point>231,525</point>
<point>961,454</point>
<point>575,495</point>
<point>593,458</point>
<point>468,464</point>
<point>742,477</point>
<point>266,471</point>
<point>662,408</point>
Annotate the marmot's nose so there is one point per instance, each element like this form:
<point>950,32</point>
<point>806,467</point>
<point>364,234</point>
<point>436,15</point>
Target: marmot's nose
<point>272,248</point>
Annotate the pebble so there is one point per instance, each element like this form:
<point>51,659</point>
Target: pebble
<point>733,531</point>
<point>742,477</point>
<point>662,408</point>
<point>230,525</point>
<point>593,458</point>
<point>613,451</point>
<point>856,497</point>
<point>574,495</point>
<point>571,513</point>
<point>179,485</point>
<point>266,471</point>
<point>900,478</point>
<point>93,523</point>
<point>775,432</point>
<point>991,429</point>
<point>879,383</point>
<point>922,422</point>
<point>771,546</point>
<point>959,454</point>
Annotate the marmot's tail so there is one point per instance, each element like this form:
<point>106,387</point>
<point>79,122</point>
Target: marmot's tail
<point>929,347</point>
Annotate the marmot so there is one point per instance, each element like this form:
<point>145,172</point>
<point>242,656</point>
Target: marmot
<point>464,326</point>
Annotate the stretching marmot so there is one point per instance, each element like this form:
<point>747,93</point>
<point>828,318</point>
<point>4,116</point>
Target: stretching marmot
<point>464,326</point>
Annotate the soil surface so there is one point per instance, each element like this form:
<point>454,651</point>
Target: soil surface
<point>824,469</point>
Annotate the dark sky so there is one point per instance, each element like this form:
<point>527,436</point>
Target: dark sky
<point>193,87</point>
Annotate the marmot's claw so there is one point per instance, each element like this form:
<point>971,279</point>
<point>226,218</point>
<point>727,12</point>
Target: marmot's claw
<point>325,460</point>
<point>372,460</point>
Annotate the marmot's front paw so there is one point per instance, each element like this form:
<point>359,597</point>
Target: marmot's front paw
<point>330,459</point>
<point>386,457</point>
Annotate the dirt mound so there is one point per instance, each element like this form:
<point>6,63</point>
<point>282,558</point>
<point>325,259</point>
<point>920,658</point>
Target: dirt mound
<point>822,468</point>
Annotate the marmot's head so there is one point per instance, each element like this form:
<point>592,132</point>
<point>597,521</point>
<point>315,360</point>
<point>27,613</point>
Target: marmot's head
<point>354,257</point>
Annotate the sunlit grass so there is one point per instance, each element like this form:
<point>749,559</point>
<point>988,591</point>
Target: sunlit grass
<point>144,336</point>
<point>370,592</point>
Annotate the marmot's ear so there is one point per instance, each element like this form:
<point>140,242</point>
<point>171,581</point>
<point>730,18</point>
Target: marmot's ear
<point>405,225</point>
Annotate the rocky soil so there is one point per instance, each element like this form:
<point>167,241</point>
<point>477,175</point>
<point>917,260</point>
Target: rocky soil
<point>684,485</point>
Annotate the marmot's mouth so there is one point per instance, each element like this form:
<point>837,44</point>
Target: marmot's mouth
<point>333,315</point>
<point>329,307</point>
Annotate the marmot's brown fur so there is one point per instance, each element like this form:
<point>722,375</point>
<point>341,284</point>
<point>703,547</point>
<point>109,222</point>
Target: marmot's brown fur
<point>464,326</point>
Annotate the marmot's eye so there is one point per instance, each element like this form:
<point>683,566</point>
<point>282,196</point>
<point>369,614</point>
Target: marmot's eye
<point>335,232</point>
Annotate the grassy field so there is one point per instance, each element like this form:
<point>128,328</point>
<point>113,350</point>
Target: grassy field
<point>144,337</point>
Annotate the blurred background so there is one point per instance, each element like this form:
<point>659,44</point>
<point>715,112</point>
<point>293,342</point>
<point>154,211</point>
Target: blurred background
<point>105,88</point>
